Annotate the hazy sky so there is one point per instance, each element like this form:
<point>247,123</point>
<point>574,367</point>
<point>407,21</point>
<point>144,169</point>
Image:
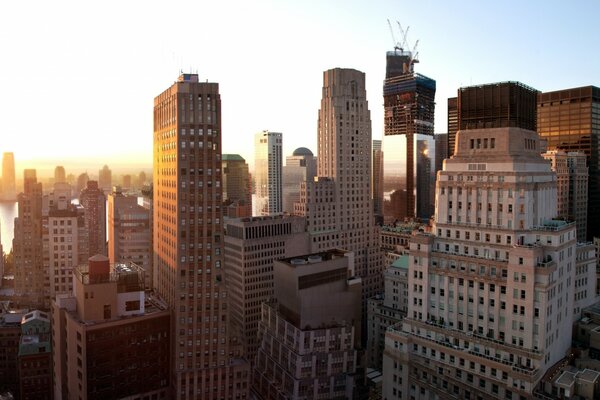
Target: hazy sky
<point>78,78</point>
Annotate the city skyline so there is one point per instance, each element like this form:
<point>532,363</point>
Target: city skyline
<point>83,57</point>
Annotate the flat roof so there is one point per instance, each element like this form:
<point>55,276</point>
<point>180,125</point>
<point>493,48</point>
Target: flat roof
<point>401,262</point>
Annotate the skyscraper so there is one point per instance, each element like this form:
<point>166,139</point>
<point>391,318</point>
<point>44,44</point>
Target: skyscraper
<point>105,179</point>
<point>60,175</point>
<point>493,287</point>
<point>569,120</point>
<point>337,203</point>
<point>237,188</point>
<point>82,181</point>
<point>94,203</point>
<point>188,241</point>
<point>30,278</point>
<point>377,180</point>
<point>9,188</point>
<point>452,124</point>
<point>408,144</point>
<point>268,172</point>
<point>299,167</point>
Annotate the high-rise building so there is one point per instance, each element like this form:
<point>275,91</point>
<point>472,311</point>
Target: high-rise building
<point>299,167</point>
<point>111,340</point>
<point>387,309</point>
<point>10,335</point>
<point>569,120</point>
<point>492,287</point>
<point>572,187</point>
<point>105,179</point>
<point>408,145</point>
<point>377,179</point>
<point>337,203</point>
<point>251,247</point>
<point>441,150</point>
<point>31,280</point>
<point>9,187</point>
<point>237,187</point>
<point>94,203</point>
<point>452,124</point>
<point>126,182</point>
<point>310,331</point>
<point>141,180</point>
<point>268,173</point>
<point>129,233</point>
<point>188,241</point>
<point>60,175</point>
<point>82,181</point>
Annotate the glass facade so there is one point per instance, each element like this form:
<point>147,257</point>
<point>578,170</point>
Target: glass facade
<point>396,204</point>
<point>570,120</point>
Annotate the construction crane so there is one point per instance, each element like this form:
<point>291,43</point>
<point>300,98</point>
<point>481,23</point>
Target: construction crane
<point>404,35</point>
<point>396,44</point>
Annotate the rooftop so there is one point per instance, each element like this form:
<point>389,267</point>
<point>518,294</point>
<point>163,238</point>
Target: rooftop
<point>401,262</point>
<point>232,157</point>
<point>302,151</point>
<point>315,257</point>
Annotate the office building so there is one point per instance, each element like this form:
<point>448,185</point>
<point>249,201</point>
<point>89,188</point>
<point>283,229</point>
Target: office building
<point>148,204</point>
<point>129,233</point>
<point>572,187</point>
<point>105,179</point>
<point>1,260</point>
<point>111,340</point>
<point>408,143</point>
<point>386,309</point>
<point>141,180</point>
<point>496,105</point>
<point>584,293</point>
<point>60,175</point>
<point>491,289</point>
<point>35,357</point>
<point>126,182</point>
<point>311,330</point>
<point>31,280</point>
<point>9,187</point>
<point>569,120</point>
<point>251,247</point>
<point>337,203</point>
<point>237,187</point>
<point>94,203</point>
<point>268,173</point>
<point>441,150</point>
<point>452,124</point>
<point>65,247</point>
<point>377,179</point>
<point>188,241</point>
<point>82,181</point>
<point>299,167</point>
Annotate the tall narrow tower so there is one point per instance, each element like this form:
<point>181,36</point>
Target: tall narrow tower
<point>9,188</point>
<point>408,143</point>
<point>268,172</point>
<point>338,203</point>
<point>188,240</point>
<point>94,202</point>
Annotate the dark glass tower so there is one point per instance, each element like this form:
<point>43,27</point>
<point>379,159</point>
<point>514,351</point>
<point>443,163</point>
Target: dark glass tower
<point>409,105</point>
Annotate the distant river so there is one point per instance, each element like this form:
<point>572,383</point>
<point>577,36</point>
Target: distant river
<point>8,212</point>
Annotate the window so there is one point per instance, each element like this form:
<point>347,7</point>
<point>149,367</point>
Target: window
<point>133,305</point>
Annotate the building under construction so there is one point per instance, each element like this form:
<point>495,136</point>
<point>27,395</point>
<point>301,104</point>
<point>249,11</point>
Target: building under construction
<point>409,106</point>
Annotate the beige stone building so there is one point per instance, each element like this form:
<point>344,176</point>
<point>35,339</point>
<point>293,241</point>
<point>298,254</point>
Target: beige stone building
<point>492,288</point>
<point>311,330</point>
<point>572,187</point>
<point>337,204</point>
<point>110,339</point>
<point>188,241</point>
<point>237,187</point>
<point>252,245</point>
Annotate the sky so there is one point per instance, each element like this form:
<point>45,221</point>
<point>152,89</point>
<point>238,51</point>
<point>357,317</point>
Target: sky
<point>78,79</point>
